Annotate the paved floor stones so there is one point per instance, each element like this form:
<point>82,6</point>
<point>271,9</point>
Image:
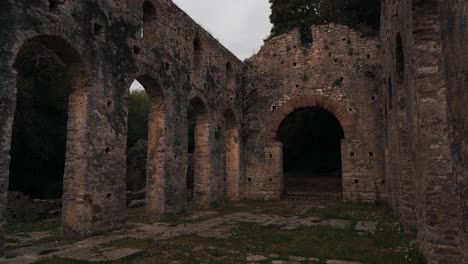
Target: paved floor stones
<point>211,225</point>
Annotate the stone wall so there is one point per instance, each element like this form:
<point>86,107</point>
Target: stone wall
<point>107,45</point>
<point>424,60</point>
<point>339,72</point>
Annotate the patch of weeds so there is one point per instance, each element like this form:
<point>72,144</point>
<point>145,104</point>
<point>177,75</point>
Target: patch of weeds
<point>46,225</point>
<point>137,215</point>
<point>57,260</point>
<point>133,243</point>
<point>316,241</point>
<point>353,212</point>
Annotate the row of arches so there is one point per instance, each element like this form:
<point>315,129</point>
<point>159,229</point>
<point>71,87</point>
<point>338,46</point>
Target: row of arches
<point>50,134</point>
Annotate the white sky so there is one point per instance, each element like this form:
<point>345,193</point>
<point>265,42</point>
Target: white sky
<point>240,25</point>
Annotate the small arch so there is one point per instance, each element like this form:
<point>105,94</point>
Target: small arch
<point>231,137</point>
<point>149,27</point>
<point>198,154</point>
<point>230,80</point>
<point>197,52</point>
<point>400,58</point>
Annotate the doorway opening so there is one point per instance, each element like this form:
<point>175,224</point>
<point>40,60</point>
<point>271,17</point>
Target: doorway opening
<point>311,138</point>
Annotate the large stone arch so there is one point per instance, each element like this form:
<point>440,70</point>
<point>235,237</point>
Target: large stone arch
<point>345,118</point>
<point>341,113</point>
<point>77,217</point>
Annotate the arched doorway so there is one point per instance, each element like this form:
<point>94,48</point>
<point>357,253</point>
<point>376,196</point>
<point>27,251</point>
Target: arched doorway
<point>231,138</point>
<point>147,134</point>
<point>198,151</point>
<point>311,138</point>
<point>48,147</point>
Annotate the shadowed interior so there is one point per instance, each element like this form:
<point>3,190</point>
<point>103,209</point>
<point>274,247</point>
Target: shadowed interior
<point>311,140</point>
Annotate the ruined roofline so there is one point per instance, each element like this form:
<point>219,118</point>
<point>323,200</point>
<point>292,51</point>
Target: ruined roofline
<point>313,29</point>
<point>202,30</point>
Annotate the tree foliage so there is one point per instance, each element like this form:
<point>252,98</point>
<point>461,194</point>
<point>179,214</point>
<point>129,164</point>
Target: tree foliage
<point>138,109</point>
<point>287,15</point>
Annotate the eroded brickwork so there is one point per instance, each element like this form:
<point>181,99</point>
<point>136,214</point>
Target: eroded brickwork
<point>338,72</point>
<point>424,73</point>
<point>401,102</point>
<point>107,45</point>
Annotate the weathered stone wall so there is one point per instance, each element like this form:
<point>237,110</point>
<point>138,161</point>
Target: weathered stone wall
<point>339,72</point>
<point>107,45</point>
<point>455,52</point>
<point>424,60</point>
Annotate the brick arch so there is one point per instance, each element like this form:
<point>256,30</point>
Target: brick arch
<point>198,174</point>
<point>232,148</point>
<point>76,159</point>
<point>343,115</point>
<point>155,205</point>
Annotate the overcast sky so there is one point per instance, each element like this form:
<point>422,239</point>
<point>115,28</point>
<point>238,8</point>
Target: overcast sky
<point>240,25</point>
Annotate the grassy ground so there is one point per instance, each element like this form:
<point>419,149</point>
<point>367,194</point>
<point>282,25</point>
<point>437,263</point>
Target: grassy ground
<point>389,245</point>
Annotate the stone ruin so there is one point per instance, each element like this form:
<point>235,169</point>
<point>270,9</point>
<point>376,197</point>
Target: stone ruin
<point>393,109</point>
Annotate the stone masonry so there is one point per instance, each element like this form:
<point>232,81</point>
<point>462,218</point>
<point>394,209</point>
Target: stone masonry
<point>400,99</point>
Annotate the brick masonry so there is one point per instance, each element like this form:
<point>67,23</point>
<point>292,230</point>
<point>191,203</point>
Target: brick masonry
<point>401,100</point>
<point>339,72</point>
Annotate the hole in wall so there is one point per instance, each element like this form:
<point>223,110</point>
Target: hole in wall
<point>136,50</point>
<point>55,4</point>
<point>98,29</point>
<point>352,154</point>
<point>249,179</point>
<point>356,181</point>
<point>371,154</point>
<point>109,195</point>
<point>400,59</point>
<point>197,52</point>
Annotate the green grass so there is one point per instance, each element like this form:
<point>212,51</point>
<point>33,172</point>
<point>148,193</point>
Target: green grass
<point>389,245</point>
<point>321,242</point>
<point>48,225</point>
<point>134,243</point>
<point>57,260</point>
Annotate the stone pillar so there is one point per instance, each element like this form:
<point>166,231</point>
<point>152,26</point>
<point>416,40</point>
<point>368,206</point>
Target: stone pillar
<point>7,111</point>
<point>156,165</point>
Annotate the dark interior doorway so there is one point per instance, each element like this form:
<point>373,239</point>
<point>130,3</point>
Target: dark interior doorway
<point>40,125</point>
<point>311,140</point>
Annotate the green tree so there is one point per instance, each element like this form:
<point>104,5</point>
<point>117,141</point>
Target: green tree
<point>138,109</point>
<point>287,15</point>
